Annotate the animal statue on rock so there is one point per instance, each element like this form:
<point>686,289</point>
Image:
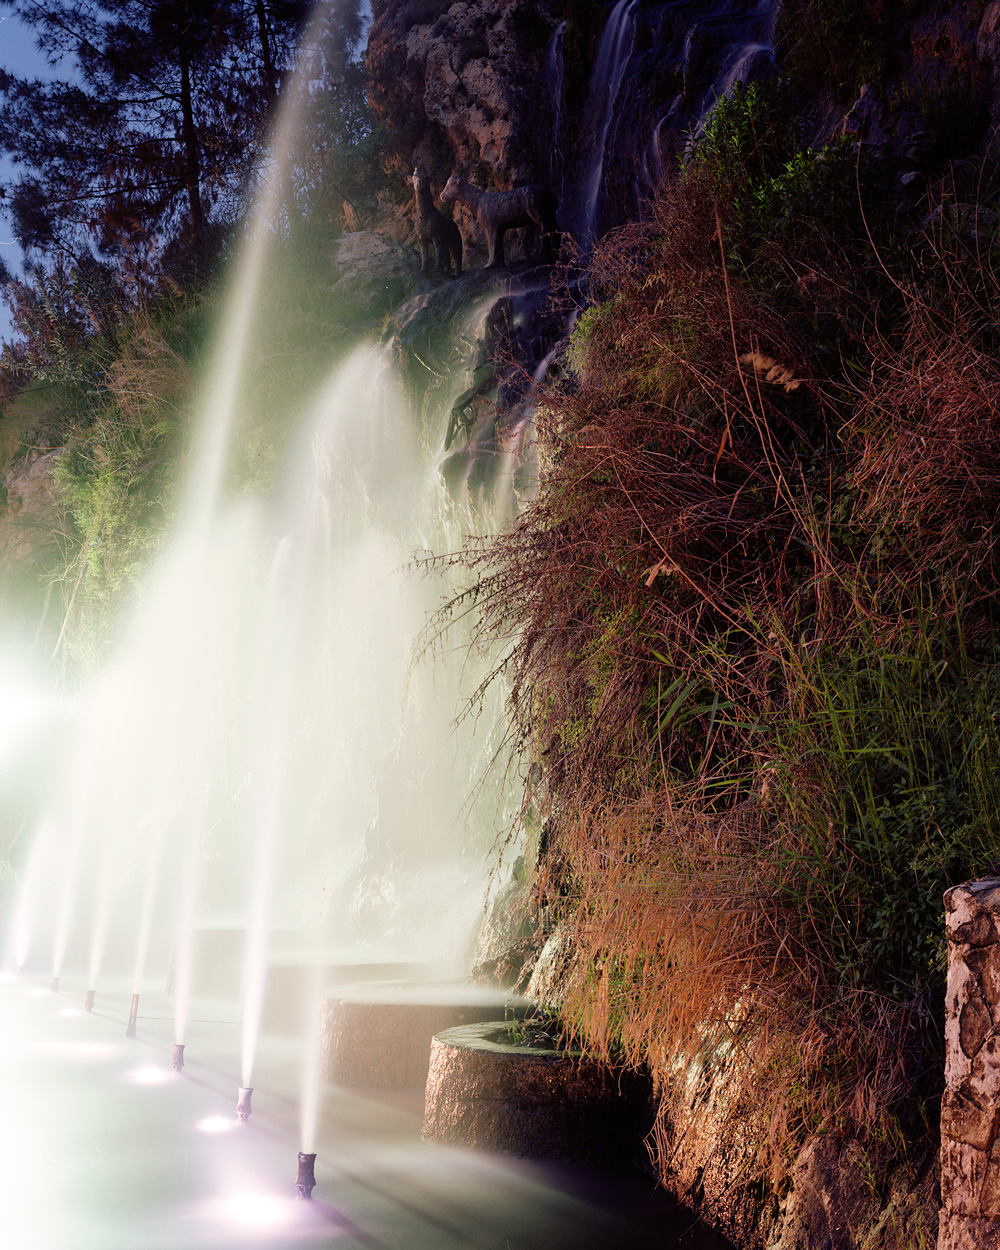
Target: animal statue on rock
<point>499,211</point>
<point>432,226</point>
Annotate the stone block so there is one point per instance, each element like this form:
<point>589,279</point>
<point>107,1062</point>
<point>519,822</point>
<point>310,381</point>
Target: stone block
<point>373,1038</point>
<point>963,1119</point>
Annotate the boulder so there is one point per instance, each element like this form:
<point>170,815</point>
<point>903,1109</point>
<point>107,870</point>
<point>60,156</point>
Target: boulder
<point>371,275</point>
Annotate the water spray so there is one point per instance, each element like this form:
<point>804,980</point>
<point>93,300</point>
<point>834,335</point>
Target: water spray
<point>305,1181</point>
<point>133,1015</point>
<point>243,1103</point>
<point>177,1058</point>
<point>88,1002</point>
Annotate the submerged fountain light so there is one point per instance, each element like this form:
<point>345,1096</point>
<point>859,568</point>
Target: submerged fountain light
<point>177,1057</point>
<point>88,1002</point>
<point>133,1016</point>
<point>216,1124</point>
<point>243,1103</point>
<point>305,1181</point>
<point>148,1074</point>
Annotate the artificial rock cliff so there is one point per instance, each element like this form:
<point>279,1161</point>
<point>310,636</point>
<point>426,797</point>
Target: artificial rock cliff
<point>599,101</point>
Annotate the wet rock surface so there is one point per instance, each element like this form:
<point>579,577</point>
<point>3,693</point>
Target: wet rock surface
<point>491,1091</point>
<point>371,275</point>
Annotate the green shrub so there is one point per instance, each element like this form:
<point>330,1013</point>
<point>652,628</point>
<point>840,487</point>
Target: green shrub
<point>840,44</point>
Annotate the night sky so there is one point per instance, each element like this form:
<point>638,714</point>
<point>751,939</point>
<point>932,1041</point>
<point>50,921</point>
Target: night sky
<point>17,53</point>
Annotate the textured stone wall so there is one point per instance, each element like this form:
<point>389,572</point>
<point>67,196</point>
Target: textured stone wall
<point>970,1110</point>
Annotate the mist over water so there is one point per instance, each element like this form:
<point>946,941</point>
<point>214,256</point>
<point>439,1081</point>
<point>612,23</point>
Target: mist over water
<point>262,757</point>
<point>262,754</point>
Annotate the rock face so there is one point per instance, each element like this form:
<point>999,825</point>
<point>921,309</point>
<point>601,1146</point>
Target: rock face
<point>829,1197</point>
<point>371,275</point>
<point>459,83</point>
<point>486,1092</point>
<point>461,87</point>
<point>970,1109</point>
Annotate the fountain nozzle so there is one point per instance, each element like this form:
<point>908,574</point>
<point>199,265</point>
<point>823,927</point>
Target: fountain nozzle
<point>243,1103</point>
<point>305,1181</point>
<point>54,985</point>
<point>177,1058</point>
<point>133,1015</point>
<point>88,1002</point>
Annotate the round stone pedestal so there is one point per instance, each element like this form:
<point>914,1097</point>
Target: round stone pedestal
<point>379,1036</point>
<point>486,1091</point>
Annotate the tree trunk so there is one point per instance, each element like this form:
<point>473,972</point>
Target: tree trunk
<point>270,76</point>
<point>192,163</point>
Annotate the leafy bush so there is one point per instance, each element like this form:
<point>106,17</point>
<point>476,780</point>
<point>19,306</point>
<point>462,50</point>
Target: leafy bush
<point>840,44</point>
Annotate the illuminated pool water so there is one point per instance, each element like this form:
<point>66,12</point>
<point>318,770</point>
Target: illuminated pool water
<point>103,1147</point>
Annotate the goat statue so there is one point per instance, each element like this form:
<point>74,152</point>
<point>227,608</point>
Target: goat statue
<point>432,226</point>
<point>499,211</point>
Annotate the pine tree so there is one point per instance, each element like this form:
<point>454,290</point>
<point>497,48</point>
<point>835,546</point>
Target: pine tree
<point>151,134</point>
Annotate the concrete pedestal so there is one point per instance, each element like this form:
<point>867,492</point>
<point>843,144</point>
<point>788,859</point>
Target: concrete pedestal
<point>379,1036</point>
<point>485,1091</point>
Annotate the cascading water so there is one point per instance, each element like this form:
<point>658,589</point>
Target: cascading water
<point>555,77</point>
<point>658,72</point>
<point>263,756</point>
<point>605,82</point>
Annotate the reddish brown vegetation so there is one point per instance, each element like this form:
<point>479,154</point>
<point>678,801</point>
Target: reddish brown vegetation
<point>728,603</point>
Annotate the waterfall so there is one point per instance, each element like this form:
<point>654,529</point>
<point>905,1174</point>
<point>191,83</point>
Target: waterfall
<point>605,82</point>
<point>555,75</point>
<point>263,757</point>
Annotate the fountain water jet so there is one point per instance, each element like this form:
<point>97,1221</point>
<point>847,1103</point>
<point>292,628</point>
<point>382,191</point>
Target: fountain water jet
<point>133,1016</point>
<point>311,1089</point>
<point>271,759</point>
<point>22,930</point>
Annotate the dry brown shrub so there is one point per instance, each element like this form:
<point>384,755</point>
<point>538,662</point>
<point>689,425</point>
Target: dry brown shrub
<point>706,546</point>
<point>926,448</point>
